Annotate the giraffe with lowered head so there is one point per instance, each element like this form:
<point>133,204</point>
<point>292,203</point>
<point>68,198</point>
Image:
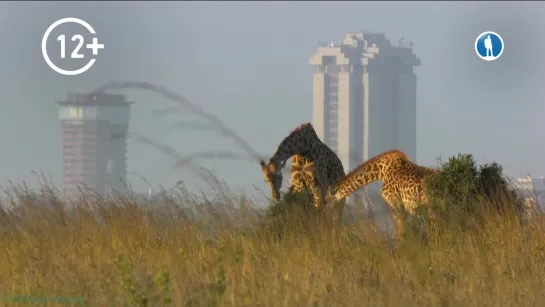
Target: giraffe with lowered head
<point>404,182</point>
<point>314,166</point>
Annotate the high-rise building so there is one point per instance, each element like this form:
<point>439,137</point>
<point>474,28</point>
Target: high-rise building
<point>364,97</point>
<point>94,146</point>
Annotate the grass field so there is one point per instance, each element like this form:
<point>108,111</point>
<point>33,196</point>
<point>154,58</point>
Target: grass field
<point>118,253</point>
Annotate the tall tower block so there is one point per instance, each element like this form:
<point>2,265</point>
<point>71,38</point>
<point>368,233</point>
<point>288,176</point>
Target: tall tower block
<point>364,97</point>
<point>94,146</point>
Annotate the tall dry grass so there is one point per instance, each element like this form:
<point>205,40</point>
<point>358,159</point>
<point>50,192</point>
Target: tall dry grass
<point>181,250</point>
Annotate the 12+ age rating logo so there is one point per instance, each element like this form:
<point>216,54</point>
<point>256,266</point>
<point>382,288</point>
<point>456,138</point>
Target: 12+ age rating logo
<point>76,46</point>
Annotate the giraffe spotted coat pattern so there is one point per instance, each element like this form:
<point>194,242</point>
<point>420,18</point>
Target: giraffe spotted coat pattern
<point>403,182</point>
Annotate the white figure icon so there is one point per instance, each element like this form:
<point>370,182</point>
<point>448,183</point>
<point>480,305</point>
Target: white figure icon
<point>485,40</point>
<point>488,46</point>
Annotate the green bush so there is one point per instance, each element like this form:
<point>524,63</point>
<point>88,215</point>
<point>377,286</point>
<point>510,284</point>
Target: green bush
<point>293,210</point>
<point>291,202</point>
<point>467,192</point>
<point>462,196</point>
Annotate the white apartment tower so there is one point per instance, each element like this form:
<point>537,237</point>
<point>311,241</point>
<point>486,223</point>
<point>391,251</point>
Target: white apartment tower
<point>94,149</point>
<point>364,97</point>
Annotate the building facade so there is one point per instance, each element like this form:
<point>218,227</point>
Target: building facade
<point>532,189</point>
<point>364,97</point>
<point>94,146</point>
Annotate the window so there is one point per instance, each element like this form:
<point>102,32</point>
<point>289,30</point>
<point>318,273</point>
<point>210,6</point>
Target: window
<point>89,168</point>
<point>345,68</point>
<point>75,112</point>
<point>88,139</point>
<point>73,128</point>
<point>91,112</point>
<point>333,97</point>
<point>69,132</point>
<point>70,146</point>
<point>88,146</point>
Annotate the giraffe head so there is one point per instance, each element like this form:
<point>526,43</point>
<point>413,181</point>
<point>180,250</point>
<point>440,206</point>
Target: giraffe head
<point>273,176</point>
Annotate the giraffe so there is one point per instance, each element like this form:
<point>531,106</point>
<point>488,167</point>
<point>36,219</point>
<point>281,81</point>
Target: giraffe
<point>403,182</point>
<point>299,178</point>
<point>314,166</point>
<point>274,179</point>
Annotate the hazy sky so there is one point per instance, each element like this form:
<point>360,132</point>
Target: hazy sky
<point>248,63</point>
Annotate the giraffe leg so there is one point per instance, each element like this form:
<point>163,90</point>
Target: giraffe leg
<point>336,211</point>
<point>317,200</point>
<point>301,183</point>
<point>393,203</point>
<point>298,183</point>
<point>318,196</point>
<point>320,186</point>
<point>398,221</point>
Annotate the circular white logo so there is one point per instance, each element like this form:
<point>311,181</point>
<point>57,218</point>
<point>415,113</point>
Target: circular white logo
<point>489,46</point>
<point>94,46</point>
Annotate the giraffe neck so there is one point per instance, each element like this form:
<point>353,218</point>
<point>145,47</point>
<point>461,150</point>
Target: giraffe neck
<point>300,141</point>
<point>377,168</point>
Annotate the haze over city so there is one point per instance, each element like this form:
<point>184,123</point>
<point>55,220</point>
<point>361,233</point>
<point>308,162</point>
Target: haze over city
<point>248,63</point>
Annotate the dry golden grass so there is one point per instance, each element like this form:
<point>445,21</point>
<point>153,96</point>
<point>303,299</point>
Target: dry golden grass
<point>117,253</point>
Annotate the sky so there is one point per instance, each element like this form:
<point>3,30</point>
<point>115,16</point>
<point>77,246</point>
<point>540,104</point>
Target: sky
<point>248,63</point>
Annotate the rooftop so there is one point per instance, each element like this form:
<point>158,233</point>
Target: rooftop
<point>95,99</point>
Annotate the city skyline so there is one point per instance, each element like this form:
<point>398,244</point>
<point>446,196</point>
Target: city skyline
<point>248,64</point>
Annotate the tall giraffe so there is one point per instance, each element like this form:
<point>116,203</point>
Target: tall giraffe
<point>314,165</point>
<point>403,182</point>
